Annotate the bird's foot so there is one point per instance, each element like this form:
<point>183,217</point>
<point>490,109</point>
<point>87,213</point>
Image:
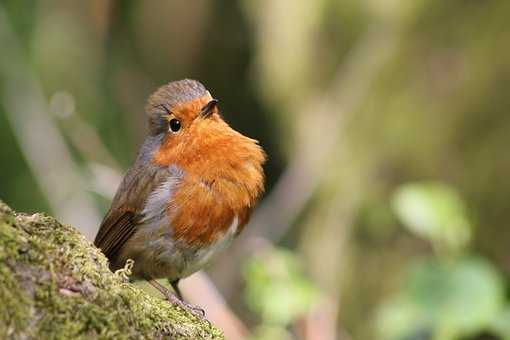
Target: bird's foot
<point>172,298</point>
<point>195,310</point>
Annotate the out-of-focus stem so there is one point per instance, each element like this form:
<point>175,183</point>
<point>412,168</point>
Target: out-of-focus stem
<point>42,144</point>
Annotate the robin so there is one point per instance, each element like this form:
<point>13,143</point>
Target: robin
<point>189,193</point>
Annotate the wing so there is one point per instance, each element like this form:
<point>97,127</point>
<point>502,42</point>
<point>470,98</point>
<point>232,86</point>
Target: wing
<point>122,219</point>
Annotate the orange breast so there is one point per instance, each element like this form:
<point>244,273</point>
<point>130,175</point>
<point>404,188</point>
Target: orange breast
<point>199,215</point>
<point>223,180</point>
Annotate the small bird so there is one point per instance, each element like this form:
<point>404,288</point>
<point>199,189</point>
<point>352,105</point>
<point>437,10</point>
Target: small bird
<point>189,193</point>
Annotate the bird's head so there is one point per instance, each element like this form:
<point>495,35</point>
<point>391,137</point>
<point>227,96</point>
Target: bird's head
<point>195,137</point>
<point>174,108</point>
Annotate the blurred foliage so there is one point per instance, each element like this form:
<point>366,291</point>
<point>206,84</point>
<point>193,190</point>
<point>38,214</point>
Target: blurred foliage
<point>267,332</point>
<point>276,289</point>
<point>396,112</point>
<point>442,298</point>
<point>435,212</point>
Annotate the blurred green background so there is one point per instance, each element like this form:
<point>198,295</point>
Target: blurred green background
<point>386,124</point>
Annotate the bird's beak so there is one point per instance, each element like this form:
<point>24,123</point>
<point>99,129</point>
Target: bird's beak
<point>208,108</point>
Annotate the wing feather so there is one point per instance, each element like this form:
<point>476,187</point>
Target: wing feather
<point>122,219</point>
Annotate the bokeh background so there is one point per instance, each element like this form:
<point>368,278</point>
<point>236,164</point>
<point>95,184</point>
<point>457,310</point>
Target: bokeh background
<point>386,123</point>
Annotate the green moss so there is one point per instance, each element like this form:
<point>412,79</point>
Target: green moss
<point>54,284</point>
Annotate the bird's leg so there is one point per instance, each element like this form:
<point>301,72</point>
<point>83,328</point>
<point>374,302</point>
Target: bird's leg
<point>197,311</point>
<point>175,286</point>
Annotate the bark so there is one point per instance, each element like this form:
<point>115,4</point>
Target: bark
<point>54,284</point>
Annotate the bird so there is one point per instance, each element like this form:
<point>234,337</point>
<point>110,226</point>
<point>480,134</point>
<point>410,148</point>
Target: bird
<point>188,194</point>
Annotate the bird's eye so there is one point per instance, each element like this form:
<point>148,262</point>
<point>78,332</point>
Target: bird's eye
<point>175,125</point>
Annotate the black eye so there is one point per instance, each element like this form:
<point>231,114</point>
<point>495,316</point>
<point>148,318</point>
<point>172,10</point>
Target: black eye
<point>175,125</point>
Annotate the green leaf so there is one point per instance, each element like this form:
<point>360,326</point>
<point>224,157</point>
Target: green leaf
<point>265,332</point>
<point>276,288</point>
<point>435,212</point>
<point>501,324</point>
<point>447,299</point>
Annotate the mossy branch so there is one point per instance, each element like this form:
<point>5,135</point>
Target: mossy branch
<point>54,284</point>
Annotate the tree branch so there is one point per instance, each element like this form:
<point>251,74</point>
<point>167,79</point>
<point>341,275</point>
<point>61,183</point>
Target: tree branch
<point>56,284</point>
